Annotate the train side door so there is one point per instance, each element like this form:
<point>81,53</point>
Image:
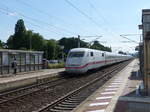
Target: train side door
<point>92,59</point>
<point>92,56</point>
<point>104,58</point>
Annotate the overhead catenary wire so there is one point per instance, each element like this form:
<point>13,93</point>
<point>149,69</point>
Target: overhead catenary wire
<point>38,21</point>
<point>123,36</point>
<point>7,12</point>
<point>98,13</point>
<point>47,14</point>
<point>87,16</point>
<point>84,14</point>
<point>100,16</point>
<point>91,4</point>
<point>40,11</point>
<point>107,22</point>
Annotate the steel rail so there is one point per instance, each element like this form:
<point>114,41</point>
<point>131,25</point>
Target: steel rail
<point>104,77</point>
<point>6,97</point>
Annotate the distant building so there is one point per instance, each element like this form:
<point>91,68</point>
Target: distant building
<point>26,60</point>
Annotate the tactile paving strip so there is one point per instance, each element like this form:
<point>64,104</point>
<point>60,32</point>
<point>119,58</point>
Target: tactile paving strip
<point>104,98</point>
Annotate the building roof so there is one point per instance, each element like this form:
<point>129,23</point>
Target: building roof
<point>20,51</point>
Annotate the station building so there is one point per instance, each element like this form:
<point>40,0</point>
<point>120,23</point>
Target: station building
<point>26,60</point>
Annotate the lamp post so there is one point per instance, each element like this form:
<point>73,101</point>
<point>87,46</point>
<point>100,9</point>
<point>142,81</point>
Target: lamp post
<point>79,44</point>
<point>62,47</point>
<point>31,41</point>
<point>78,41</point>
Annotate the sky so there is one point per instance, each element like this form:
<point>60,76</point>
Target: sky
<point>102,20</point>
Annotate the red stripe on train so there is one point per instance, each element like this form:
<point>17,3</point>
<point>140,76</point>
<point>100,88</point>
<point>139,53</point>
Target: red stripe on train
<point>91,63</point>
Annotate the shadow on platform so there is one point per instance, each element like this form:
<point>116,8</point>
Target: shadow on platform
<point>135,76</point>
<point>131,99</point>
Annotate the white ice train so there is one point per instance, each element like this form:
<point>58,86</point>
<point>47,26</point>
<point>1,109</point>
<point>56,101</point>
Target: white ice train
<point>80,60</point>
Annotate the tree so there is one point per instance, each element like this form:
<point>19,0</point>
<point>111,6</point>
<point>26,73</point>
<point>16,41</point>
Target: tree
<point>20,27</point>
<point>98,46</point>
<point>70,43</point>
<point>19,36</point>
<point>1,44</point>
<point>51,49</point>
<point>10,42</point>
<point>121,52</point>
<point>17,40</point>
<point>25,40</point>
<point>28,39</point>
<point>37,41</point>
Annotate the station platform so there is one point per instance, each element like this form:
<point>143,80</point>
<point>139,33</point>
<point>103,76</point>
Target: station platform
<point>116,94</point>
<point>10,81</point>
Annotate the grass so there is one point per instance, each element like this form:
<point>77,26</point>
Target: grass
<point>57,65</point>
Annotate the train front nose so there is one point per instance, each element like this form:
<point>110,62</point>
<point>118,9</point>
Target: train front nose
<point>74,65</point>
<point>74,62</point>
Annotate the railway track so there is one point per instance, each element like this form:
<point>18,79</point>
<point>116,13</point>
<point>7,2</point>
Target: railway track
<point>71,100</point>
<point>22,92</point>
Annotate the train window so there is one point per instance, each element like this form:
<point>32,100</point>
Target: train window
<point>91,53</point>
<point>76,54</point>
<point>103,54</point>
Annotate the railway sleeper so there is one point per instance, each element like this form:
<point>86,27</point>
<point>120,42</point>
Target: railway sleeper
<point>67,103</point>
<point>63,108</point>
<point>54,110</point>
<point>77,99</point>
<point>71,105</point>
<point>7,97</point>
<point>4,98</point>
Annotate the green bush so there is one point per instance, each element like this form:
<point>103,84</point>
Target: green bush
<point>57,65</point>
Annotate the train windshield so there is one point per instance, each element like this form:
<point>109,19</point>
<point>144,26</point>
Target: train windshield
<point>76,54</point>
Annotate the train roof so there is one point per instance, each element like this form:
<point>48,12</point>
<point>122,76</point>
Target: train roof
<point>87,49</point>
